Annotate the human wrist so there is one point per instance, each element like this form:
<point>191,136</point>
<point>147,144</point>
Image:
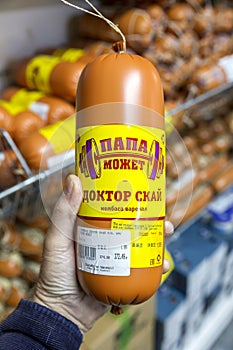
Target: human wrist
<point>32,325</point>
<point>57,305</point>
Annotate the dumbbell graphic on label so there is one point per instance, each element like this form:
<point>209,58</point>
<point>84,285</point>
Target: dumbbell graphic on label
<point>121,154</point>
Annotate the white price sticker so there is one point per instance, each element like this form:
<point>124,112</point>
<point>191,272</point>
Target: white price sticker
<point>41,109</point>
<point>104,251</point>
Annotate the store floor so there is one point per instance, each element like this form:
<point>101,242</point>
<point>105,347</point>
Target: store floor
<point>225,341</point>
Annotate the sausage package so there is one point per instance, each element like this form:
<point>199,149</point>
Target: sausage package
<point>49,146</point>
<point>50,108</point>
<point>120,159</point>
<point>50,74</point>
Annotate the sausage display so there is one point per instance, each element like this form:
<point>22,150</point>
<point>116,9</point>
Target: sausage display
<point>120,144</point>
<point>23,112</point>
<point>120,160</point>
<point>50,108</point>
<point>18,121</point>
<point>208,77</point>
<point>135,23</point>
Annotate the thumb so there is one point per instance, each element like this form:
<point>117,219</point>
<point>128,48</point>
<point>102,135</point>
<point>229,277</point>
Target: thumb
<point>65,211</point>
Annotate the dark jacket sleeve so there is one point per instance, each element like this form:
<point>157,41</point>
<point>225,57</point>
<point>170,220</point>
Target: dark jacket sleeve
<point>34,327</point>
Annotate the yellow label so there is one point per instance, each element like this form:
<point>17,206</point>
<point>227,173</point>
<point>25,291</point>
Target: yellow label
<point>60,135</point>
<point>25,98</point>
<point>71,55</point>
<point>147,239</point>
<point>12,108</point>
<point>122,170</point>
<point>38,72</point>
<point>168,257</point>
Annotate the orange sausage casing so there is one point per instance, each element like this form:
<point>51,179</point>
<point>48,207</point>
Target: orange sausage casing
<point>120,156</point>
<point>50,145</point>
<point>5,118</point>
<point>18,121</point>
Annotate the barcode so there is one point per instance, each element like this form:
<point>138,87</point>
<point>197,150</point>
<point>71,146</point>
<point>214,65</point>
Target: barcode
<point>85,251</point>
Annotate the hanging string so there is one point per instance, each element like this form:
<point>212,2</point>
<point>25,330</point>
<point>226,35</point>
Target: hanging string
<point>98,14</point>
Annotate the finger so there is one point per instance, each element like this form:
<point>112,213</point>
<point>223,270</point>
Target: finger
<point>169,229</point>
<point>65,211</point>
<point>166,266</point>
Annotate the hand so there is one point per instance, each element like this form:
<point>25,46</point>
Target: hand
<point>57,287</point>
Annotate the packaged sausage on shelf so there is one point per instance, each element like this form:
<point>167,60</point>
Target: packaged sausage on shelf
<point>213,74</point>
<point>50,108</point>
<point>50,74</point>
<point>16,119</point>
<point>49,146</point>
<point>135,23</point>
<point>24,124</point>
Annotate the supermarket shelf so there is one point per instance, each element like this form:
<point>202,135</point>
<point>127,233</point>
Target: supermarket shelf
<point>216,98</point>
<point>6,141</point>
<point>213,325</point>
<point>36,178</point>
